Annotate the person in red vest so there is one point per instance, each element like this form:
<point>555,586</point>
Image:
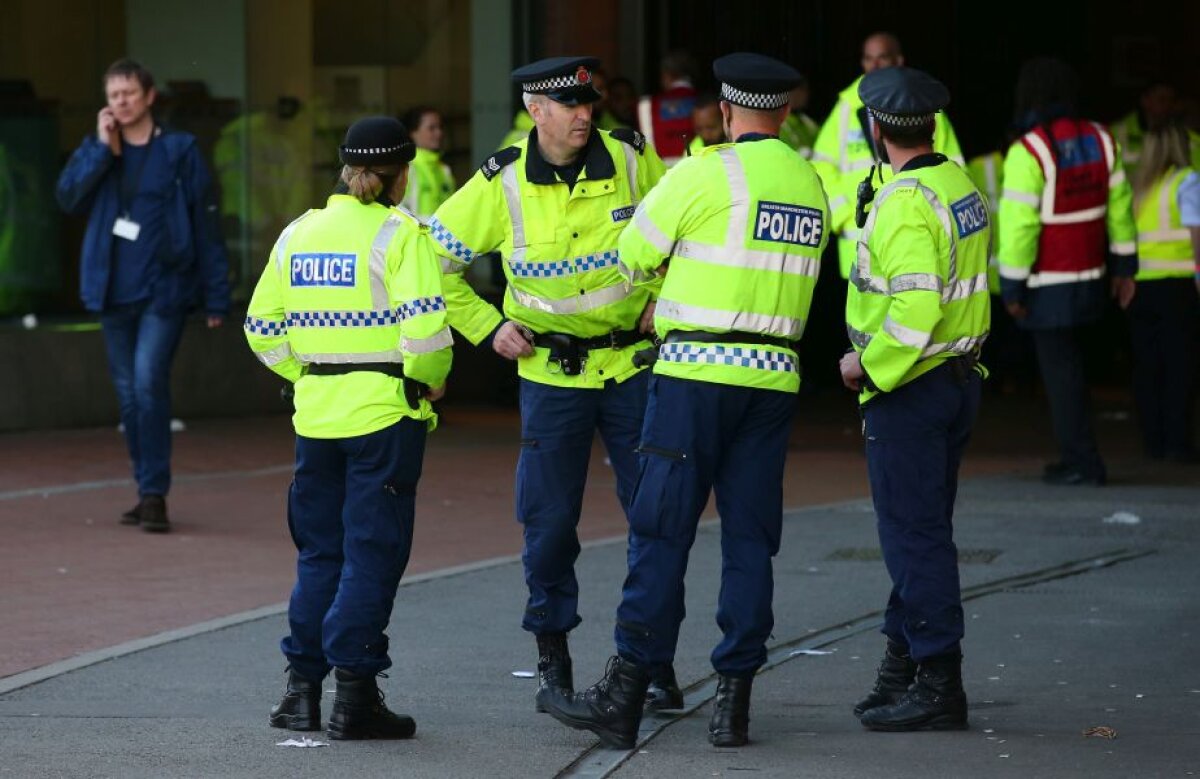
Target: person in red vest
<point>666,118</point>
<point>1067,243</point>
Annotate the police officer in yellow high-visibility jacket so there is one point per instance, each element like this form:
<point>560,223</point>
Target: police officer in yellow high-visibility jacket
<point>350,308</point>
<point>553,206</point>
<point>916,313</point>
<point>843,153</point>
<point>738,231</point>
<point>1163,316</point>
<point>430,181</point>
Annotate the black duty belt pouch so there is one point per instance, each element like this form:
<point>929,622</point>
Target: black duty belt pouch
<point>571,353</point>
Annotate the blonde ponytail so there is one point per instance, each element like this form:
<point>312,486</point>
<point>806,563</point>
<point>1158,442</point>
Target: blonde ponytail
<point>366,184</point>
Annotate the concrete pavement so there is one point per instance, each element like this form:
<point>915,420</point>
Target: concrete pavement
<point>1074,622</point>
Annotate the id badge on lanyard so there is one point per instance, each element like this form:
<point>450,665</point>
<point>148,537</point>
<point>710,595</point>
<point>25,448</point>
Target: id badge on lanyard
<point>125,227</point>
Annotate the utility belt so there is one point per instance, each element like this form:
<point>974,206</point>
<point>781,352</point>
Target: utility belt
<point>413,390</point>
<point>647,357</point>
<point>571,352</point>
<point>963,365</point>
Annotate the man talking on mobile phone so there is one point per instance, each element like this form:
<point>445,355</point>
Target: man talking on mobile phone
<point>151,253</point>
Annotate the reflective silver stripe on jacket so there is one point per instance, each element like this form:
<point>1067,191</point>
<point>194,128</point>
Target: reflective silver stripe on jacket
<point>655,237</point>
<point>440,340</point>
<point>274,356</point>
<point>512,197</point>
<point>341,358</point>
<point>964,345</point>
<point>379,247</point>
<point>281,241</point>
<point>1183,264</point>
<point>631,170</point>
<point>1017,196</point>
<point>577,304</point>
<point>720,320</point>
<point>1052,277</point>
<point>1165,231</point>
<point>904,334</point>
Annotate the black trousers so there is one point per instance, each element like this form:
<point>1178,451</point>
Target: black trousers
<point>1060,358</point>
<point>1164,319</point>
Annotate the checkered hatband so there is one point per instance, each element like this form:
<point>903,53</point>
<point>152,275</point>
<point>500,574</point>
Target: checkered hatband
<point>580,77</point>
<point>901,120</point>
<point>754,100</point>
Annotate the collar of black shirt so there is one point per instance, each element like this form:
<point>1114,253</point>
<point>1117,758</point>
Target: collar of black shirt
<point>748,137</point>
<point>924,161</point>
<point>597,163</point>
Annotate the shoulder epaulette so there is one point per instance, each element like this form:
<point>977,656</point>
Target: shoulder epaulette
<point>630,136</point>
<point>497,161</point>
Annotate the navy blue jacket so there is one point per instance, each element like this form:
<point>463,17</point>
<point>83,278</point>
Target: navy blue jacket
<point>194,268</point>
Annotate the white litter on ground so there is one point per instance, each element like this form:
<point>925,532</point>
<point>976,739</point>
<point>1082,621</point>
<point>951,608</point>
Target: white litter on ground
<point>1123,518</point>
<point>797,652</point>
<point>524,674</point>
<point>302,742</point>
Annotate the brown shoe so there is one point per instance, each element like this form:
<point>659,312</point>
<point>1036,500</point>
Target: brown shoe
<point>152,512</point>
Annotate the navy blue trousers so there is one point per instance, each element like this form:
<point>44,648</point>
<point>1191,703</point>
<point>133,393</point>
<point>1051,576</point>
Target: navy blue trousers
<point>141,346</point>
<point>915,441</point>
<point>699,438</point>
<point>350,512</point>
<point>558,425</point>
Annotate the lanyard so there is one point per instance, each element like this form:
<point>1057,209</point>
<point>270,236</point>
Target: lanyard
<point>131,185</point>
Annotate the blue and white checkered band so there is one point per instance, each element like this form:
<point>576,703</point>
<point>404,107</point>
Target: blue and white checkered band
<point>901,120</point>
<point>735,356</point>
<point>446,238</point>
<point>557,82</point>
<point>263,326</point>
<point>374,150</point>
<point>757,100</point>
<point>342,318</point>
<point>556,268</point>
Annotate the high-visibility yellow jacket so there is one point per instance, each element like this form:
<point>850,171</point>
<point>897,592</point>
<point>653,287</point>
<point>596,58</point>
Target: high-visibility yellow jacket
<point>800,132</point>
<point>351,283</point>
<point>842,156</point>
<point>1164,243</point>
<point>522,124</point>
<point>1129,134</point>
<point>918,291</point>
<point>430,183</point>
<point>559,246</point>
<point>987,174</point>
<point>742,226</point>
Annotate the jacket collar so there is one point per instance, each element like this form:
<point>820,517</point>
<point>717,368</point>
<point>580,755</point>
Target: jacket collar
<point>597,163</point>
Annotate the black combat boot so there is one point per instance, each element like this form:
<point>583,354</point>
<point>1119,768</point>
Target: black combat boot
<point>359,712</point>
<point>554,668</point>
<point>896,674</point>
<point>664,693</point>
<point>300,708</point>
<point>152,514</point>
<point>133,516</point>
<point>730,723</point>
<point>611,708</point>
<point>935,702</point>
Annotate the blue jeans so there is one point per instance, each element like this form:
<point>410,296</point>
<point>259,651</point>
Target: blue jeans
<point>141,345</point>
<point>558,425</point>
<point>350,512</point>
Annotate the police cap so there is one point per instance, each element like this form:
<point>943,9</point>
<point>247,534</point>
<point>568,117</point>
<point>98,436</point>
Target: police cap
<point>755,81</point>
<point>903,97</point>
<point>566,80</point>
<point>377,140</point>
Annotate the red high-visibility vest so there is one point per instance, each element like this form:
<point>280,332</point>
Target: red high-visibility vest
<point>666,120</point>
<point>1077,159</point>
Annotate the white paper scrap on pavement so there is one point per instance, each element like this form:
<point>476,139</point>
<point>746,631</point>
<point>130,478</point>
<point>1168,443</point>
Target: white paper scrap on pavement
<point>524,674</point>
<point>1123,518</point>
<point>797,652</point>
<point>302,742</point>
